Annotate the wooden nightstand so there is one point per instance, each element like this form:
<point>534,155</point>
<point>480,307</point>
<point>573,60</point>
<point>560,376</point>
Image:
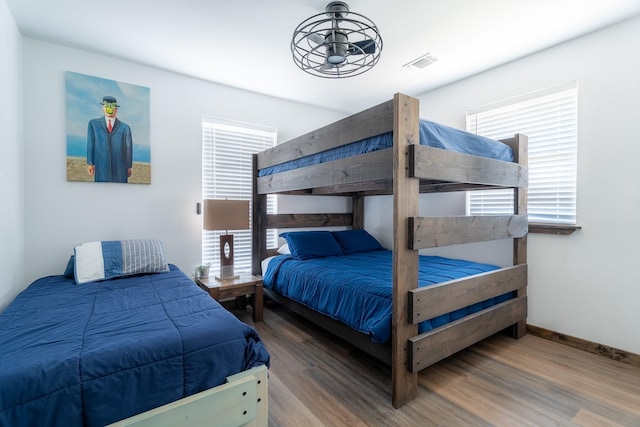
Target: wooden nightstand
<point>240,287</point>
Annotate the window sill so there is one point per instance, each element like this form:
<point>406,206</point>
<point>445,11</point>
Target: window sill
<point>562,229</point>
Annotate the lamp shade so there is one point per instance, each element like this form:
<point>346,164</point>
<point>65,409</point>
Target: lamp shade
<point>226,215</point>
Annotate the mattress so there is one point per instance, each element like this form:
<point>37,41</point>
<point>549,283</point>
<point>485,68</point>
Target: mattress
<point>431,134</point>
<point>356,289</point>
<point>95,353</point>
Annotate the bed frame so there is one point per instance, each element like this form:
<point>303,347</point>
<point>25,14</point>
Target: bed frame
<point>404,171</point>
<point>241,401</point>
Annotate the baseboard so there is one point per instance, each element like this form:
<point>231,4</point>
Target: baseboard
<point>591,347</point>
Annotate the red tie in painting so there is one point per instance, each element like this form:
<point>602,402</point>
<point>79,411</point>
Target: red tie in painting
<point>109,126</point>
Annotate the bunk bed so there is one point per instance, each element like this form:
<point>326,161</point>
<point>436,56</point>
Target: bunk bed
<point>404,170</point>
<point>92,349</point>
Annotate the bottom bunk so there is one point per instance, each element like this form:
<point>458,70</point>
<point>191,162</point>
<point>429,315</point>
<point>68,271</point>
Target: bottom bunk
<point>348,291</point>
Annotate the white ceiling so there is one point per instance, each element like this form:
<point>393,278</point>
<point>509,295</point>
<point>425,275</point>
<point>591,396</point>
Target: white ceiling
<point>245,43</point>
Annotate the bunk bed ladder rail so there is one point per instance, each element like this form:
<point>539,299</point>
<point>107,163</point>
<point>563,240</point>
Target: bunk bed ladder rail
<point>429,302</point>
<point>426,303</point>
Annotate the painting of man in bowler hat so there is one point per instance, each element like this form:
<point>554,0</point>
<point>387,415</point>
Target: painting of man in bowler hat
<point>107,130</point>
<point>109,145</point>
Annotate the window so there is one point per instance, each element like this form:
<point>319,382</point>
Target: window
<point>550,119</point>
<point>227,149</point>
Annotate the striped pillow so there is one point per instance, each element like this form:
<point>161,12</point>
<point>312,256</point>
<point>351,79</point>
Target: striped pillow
<point>95,261</point>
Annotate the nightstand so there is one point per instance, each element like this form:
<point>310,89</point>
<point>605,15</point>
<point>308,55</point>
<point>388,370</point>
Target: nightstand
<point>240,287</point>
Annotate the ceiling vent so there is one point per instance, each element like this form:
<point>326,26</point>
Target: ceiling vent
<point>421,62</point>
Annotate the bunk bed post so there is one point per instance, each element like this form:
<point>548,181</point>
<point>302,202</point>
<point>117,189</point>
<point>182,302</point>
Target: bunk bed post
<point>519,329</point>
<point>258,222</point>
<point>357,211</point>
<point>405,260</point>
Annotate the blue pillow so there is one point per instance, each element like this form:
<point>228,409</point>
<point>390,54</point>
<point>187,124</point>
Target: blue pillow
<point>312,244</point>
<point>353,241</point>
<point>68,272</point>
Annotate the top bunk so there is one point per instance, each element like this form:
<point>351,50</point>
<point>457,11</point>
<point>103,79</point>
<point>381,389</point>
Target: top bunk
<point>356,156</point>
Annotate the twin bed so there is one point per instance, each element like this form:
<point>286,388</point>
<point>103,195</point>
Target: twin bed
<point>78,349</point>
<point>393,304</point>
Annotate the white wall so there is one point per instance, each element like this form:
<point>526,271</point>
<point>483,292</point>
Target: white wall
<point>12,246</point>
<point>61,214</point>
<point>587,284</point>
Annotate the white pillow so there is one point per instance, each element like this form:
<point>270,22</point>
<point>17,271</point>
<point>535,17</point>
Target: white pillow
<point>284,249</point>
<point>95,261</point>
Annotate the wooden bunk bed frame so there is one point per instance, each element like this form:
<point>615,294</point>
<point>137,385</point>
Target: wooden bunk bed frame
<point>404,171</point>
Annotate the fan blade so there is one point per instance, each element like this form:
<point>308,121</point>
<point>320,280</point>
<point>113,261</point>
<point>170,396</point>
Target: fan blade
<point>363,47</point>
<point>326,66</point>
<point>316,38</point>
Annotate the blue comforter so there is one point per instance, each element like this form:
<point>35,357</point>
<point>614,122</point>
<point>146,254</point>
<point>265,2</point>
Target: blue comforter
<point>92,354</point>
<point>431,134</point>
<point>356,289</point>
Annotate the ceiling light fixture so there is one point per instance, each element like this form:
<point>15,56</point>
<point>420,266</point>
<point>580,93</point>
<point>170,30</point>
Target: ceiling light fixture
<point>337,43</point>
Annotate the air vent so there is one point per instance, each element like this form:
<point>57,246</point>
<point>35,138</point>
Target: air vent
<point>421,62</point>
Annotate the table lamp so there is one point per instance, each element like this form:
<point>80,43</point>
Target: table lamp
<point>226,215</point>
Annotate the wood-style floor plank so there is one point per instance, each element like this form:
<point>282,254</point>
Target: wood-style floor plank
<point>319,380</point>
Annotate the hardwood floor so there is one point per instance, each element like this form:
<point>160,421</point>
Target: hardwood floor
<point>318,380</point>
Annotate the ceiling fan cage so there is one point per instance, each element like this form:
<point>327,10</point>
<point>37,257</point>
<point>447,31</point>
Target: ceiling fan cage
<point>336,43</point>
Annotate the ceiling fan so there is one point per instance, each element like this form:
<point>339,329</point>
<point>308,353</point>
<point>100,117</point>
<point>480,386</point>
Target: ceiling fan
<point>336,43</point>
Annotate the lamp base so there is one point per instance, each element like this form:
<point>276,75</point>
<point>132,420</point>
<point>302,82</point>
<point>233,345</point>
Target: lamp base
<point>226,258</point>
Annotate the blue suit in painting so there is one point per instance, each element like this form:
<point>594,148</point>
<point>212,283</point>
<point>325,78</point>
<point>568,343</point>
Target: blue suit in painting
<point>111,153</point>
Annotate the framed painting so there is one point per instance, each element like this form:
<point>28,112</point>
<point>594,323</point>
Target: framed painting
<point>107,130</point>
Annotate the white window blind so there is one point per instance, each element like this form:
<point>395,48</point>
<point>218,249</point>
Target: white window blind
<point>550,119</point>
<point>227,149</point>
